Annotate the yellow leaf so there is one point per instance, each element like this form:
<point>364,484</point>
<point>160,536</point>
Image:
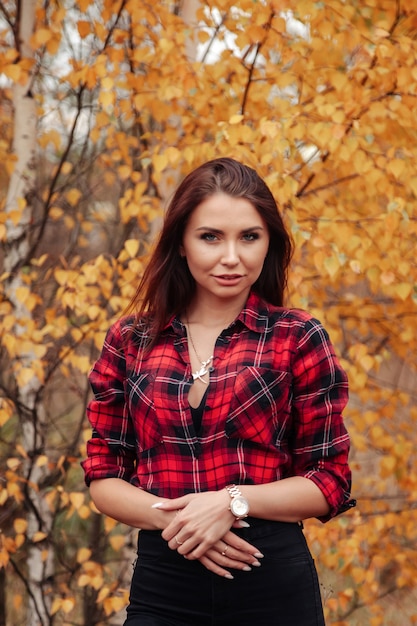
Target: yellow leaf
<point>117,542</point>
<point>93,312</point>
<point>84,580</point>
<point>113,605</point>
<point>84,28</point>
<point>331,265</point>
<point>109,524</point>
<point>67,604</point>
<point>42,36</point>
<point>84,512</point>
<point>367,362</point>
<point>124,171</point>
<point>73,196</point>
<point>24,376</point>
<point>103,593</point>
<point>396,167</point>
<point>106,98</point>
<point>236,119</point>
<point>355,266</point>
<point>387,278</point>
<point>107,82</point>
<point>39,536</point>
<point>4,557</point>
<point>20,525</point>
<point>388,464</point>
<point>76,499</point>
<point>56,605</point>
<point>159,161</point>
<point>42,460</point>
<point>84,4</point>
<point>52,136</point>
<point>13,72</point>
<point>132,247</point>
<point>403,290</point>
<point>83,555</point>
<point>22,294</point>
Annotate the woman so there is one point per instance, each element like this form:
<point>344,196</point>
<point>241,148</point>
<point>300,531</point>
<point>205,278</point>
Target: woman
<point>216,417</point>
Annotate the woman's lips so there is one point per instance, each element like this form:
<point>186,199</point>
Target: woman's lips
<point>228,279</point>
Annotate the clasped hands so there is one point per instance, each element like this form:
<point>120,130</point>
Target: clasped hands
<point>198,527</point>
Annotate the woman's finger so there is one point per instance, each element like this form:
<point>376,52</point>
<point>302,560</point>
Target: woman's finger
<point>215,568</point>
<point>227,556</point>
<point>234,541</point>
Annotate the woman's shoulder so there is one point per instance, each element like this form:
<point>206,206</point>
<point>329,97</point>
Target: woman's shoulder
<point>290,315</point>
<point>129,328</point>
<point>267,315</point>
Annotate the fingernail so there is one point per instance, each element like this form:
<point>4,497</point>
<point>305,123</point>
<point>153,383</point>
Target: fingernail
<point>228,576</point>
<point>157,505</point>
<point>259,555</point>
<point>243,524</point>
<point>246,568</point>
<point>256,564</point>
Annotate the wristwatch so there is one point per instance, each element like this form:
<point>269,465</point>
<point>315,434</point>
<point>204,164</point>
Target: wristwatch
<point>238,504</point>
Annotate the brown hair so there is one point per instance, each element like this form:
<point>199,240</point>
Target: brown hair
<point>167,285</point>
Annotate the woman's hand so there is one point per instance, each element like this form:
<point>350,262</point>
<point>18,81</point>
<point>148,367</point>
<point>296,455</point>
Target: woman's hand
<point>201,530</point>
<point>230,552</point>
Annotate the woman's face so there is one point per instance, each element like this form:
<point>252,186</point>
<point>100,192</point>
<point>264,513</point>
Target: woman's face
<point>225,244</point>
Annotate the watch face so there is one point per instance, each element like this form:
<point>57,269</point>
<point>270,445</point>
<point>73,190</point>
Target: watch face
<point>239,507</point>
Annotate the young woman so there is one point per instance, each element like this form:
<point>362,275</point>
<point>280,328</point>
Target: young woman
<point>216,417</point>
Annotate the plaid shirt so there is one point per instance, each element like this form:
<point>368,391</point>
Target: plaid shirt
<point>272,410</point>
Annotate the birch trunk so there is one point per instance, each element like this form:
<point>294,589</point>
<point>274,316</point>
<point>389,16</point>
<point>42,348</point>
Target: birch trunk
<point>22,184</point>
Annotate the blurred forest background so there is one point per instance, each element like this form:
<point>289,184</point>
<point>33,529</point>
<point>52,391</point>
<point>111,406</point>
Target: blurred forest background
<point>104,106</point>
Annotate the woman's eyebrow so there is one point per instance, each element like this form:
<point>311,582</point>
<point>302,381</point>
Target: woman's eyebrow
<point>218,230</point>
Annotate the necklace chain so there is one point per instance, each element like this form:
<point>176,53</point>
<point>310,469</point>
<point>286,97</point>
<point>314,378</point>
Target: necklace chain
<point>198,374</point>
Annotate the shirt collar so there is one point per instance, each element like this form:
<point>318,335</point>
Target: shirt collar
<point>254,316</point>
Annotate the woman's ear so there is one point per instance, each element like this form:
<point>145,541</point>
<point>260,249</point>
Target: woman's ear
<point>182,252</point>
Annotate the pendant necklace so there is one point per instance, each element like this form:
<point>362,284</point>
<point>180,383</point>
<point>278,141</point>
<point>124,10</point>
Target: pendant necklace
<point>204,369</point>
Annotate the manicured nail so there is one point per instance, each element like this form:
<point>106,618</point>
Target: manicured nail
<point>157,505</point>
<point>246,568</point>
<point>228,576</point>
<point>256,564</point>
<point>259,555</point>
<point>243,524</point>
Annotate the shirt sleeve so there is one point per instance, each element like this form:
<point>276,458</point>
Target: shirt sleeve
<point>321,442</point>
<point>111,449</point>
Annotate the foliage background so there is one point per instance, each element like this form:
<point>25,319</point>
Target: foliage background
<point>105,105</point>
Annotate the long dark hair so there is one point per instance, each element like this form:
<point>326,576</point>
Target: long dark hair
<point>167,286</point>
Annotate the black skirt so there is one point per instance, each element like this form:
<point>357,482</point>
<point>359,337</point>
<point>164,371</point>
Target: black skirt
<point>168,590</point>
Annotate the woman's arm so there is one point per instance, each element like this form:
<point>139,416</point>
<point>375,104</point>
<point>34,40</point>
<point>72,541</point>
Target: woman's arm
<point>133,506</point>
<point>128,504</point>
<point>288,500</point>
<point>204,516</point>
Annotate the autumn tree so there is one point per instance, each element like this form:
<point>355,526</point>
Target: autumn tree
<point>105,105</point>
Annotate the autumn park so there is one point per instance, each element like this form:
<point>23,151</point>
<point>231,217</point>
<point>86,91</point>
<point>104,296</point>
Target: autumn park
<point>104,106</point>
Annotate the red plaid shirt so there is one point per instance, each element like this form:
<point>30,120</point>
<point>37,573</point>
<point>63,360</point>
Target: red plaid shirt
<point>272,410</point>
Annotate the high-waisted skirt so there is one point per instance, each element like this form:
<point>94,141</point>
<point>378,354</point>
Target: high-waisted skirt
<point>168,590</point>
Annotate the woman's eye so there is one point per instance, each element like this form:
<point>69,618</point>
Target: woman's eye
<point>208,237</point>
<point>250,236</point>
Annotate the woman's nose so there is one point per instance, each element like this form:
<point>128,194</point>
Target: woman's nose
<point>230,254</point>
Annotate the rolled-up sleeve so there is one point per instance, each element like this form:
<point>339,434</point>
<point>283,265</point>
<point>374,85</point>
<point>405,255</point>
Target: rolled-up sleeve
<point>111,450</point>
<point>321,442</point>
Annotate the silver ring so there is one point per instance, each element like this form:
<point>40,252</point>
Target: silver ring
<point>179,543</point>
<point>225,550</point>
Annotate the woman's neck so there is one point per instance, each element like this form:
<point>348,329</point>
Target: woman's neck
<point>213,314</point>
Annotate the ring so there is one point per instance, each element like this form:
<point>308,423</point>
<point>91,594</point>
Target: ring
<point>225,550</point>
<point>179,543</point>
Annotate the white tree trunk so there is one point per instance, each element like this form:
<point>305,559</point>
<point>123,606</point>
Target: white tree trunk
<point>22,182</point>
